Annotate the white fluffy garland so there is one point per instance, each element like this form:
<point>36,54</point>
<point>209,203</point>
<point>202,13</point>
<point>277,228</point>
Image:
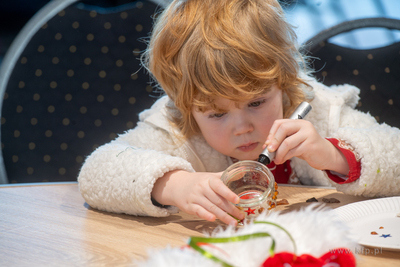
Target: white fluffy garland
<point>315,230</point>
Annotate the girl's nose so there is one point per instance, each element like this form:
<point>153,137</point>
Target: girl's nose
<point>242,125</point>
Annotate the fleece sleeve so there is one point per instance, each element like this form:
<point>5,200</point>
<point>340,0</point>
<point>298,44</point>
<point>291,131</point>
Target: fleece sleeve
<point>119,176</point>
<point>379,148</point>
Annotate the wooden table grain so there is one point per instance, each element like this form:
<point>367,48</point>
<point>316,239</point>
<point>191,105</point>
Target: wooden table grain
<point>51,225</point>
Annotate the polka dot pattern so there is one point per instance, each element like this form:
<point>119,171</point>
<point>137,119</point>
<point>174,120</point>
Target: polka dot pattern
<point>374,71</point>
<point>73,89</point>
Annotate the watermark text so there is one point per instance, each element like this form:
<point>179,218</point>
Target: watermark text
<point>357,250</point>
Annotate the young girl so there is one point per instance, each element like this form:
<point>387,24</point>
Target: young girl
<point>232,74</point>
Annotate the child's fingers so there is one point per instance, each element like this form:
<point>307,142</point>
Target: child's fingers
<point>221,196</point>
<point>227,218</point>
<point>235,212</point>
<point>221,189</point>
<point>274,128</point>
<point>209,211</point>
<point>202,213</point>
<point>224,208</point>
<point>222,214</point>
<point>289,148</point>
<point>271,135</point>
<point>300,140</point>
<point>286,128</point>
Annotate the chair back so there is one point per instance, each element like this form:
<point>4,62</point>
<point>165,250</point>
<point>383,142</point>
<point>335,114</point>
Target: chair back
<point>70,82</point>
<point>375,71</point>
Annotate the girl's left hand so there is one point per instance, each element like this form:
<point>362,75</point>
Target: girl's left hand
<point>299,138</point>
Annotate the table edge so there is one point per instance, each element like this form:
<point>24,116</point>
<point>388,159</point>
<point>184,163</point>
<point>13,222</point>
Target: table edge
<point>38,184</point>
<point>75,183</point>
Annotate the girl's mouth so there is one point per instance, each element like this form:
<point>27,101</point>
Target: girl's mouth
<point>248,147</point>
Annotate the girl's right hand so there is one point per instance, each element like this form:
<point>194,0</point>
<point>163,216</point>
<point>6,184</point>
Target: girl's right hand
<point>200,193</point>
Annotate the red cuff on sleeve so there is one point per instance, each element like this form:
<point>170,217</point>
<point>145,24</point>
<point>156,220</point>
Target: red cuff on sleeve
<point>354,163</point>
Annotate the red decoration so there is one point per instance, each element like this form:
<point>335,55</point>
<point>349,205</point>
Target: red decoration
<point>250,211</point>
<point>341,256</point>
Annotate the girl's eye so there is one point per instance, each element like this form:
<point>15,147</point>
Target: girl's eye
<point>216,115</point>
<point>256,103</point>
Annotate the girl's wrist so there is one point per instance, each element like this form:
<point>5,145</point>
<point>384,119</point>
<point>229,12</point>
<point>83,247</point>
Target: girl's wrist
<point>163,188</point>
<point>341,165</point>
<point>352,158</point>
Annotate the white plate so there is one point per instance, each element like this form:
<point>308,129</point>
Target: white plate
<point>368,216</point>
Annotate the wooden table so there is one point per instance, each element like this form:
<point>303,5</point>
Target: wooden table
<point>51,225</point>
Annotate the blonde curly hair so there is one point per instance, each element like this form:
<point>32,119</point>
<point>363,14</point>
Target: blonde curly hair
<point>200,50</point>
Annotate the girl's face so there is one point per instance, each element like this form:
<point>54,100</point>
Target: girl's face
<point>241,131</point>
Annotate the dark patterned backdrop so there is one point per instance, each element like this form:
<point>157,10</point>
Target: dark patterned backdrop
<point>374,71</point>
<point>76,86</point>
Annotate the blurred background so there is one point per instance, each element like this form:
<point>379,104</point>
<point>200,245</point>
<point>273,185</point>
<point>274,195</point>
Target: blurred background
<point>313,16</point>
<point>16,13</point>
<point>309,16</point>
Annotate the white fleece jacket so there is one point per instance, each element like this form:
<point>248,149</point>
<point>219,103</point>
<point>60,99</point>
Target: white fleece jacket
<point>119,176</point>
